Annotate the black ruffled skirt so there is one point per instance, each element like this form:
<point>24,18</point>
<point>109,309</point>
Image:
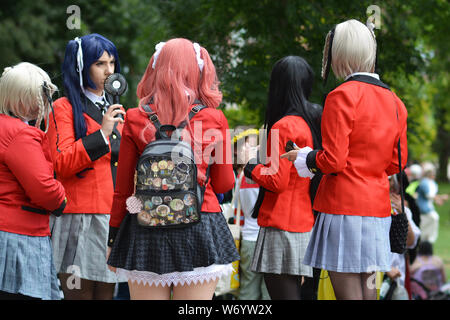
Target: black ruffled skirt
<point>173,250</point>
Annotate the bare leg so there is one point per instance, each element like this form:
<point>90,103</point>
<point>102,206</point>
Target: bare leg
<point>347,286</point>
<point>140,291</point>
<point>199,291</point>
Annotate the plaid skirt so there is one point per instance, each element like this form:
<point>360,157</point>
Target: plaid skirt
<point>354,244</point>
<point>281,252</point>
<point>26,266</point>
<point>80,245</point>
<point>164,251</point>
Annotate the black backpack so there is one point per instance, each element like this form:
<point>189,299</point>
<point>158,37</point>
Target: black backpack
<point>166,182</point>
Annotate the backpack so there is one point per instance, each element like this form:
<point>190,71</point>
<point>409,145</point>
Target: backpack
<point>166,178</point>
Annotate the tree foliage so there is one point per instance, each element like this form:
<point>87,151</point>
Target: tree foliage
<point>245,39</point>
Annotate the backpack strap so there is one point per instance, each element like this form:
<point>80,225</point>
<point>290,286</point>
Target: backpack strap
<point>194,110</point>
<point>160,129</point>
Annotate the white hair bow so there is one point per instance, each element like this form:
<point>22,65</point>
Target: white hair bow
<point>80,65</point>
<point>200,61</point>
<point>158,49</point>
<point>160,45</point>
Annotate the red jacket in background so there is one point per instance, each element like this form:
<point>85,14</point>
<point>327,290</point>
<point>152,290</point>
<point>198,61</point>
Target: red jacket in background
<point>361,124</point>
<point>287,204</point>
<point>214,129</point>
<point>28,191</point>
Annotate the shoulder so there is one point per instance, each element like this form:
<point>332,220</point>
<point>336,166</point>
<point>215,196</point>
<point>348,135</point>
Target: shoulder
<point>211,117</point>
<point>23,132</point>
<point>350,90</point>
<point>290,123</point>
<point>62,102</point>
<point>13,127</point>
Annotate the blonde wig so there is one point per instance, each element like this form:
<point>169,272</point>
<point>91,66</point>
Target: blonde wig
<point>22,92</point>
<point>353,49</point>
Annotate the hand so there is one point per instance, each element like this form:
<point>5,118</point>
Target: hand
<point>109,118</point>
<point>396,202</point>
<point>394,273</point>
<point>291,155</point>
<point>108,252</point>
<point>300,161</point>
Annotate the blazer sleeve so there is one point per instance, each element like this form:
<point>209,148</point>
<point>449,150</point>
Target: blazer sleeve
<point>26,159</point>
<point>402,116</point>
<point>274,176</point>
<point>337,124</point>
<point>128,157</point>
<point>71,156</point>
<point>221,172</point>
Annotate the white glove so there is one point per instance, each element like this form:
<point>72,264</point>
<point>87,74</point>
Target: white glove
<point>300,163</point>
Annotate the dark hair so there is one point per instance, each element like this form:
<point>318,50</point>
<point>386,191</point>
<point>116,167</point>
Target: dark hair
<point>290,86</point>
<point>93,46</point>
<point>425,248</point>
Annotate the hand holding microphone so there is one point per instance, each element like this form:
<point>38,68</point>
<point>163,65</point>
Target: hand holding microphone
<point>115,113</point>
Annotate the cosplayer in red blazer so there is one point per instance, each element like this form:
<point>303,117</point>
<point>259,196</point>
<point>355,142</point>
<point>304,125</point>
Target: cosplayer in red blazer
<point>284,205</point>
<point>28,190</point>
<point>362,122</point>
<point>84,136</point>
<point>194,257</point>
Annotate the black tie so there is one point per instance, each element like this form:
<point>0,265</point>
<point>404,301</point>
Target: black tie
<point>102,106</point>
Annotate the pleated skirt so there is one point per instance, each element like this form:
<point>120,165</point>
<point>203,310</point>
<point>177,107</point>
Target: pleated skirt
<point>80,245</point>
<point>353,244</point>
<point>281,252</point>
<point>201,252</point>
<point>26,266</point>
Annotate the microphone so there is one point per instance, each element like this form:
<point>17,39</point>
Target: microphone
<point>116,85</point>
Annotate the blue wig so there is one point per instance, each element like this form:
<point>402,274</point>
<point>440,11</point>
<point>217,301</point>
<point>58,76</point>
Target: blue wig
<point>93,46</point>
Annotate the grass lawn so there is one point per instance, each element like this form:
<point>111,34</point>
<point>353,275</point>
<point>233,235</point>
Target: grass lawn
<point>442,245</point>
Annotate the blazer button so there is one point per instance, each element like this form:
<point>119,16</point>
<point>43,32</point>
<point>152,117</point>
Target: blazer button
<point>114,136</point>
<point>115,164</point>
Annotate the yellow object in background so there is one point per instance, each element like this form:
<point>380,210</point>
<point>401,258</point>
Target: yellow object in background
<point>234,285</point>
<point>326,292</point>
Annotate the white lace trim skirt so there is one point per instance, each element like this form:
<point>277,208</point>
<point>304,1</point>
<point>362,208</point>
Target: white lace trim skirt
<point>198,275</point>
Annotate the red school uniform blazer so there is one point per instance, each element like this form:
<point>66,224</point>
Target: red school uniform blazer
<point>214,131</point>
<point>28,191</point>
<point>361,124</point>
<point>87,166</point>
<point>287,203</point>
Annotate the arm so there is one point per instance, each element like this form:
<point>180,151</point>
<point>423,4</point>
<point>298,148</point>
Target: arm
<point>273,176</point>
<point>128,157</point>
<point>337,125</point>
<point>73,155</point>
<point>26,159</point>
<point>221,172</point>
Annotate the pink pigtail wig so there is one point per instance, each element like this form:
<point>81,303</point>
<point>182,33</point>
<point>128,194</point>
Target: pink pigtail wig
<point>176,81</point>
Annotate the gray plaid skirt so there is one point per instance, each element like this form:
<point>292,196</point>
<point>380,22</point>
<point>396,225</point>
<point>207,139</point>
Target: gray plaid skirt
<point>80,244</point>
<point>164,251</point>
<point>281,252</point>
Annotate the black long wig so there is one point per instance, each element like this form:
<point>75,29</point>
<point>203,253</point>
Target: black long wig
<point>290,87</point>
